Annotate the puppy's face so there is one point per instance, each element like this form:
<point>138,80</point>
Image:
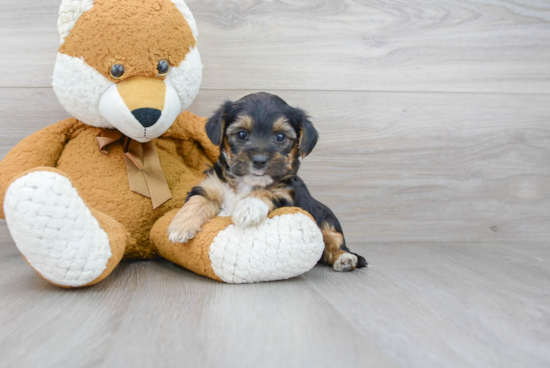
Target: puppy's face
<point>261,138</point>
<point>260,150</point>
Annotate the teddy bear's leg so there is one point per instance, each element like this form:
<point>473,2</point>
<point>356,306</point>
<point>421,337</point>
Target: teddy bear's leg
<point>66,242</point>
<point>286,245</point>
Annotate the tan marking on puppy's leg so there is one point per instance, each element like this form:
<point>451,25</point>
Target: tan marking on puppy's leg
<point>190,219</point>
<point>279,193</point>
<point>265,196</point>
<point>198,210</point>
<point>214,189</point>
<point>283,193</point>
<point>254,209</point>
<point>334,255</point>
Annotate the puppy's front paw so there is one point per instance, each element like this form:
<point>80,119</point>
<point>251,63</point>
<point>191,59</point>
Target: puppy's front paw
<point>346,262</point>
<point>182,228</point>
<point>250,212</point>
<point>181,236</point>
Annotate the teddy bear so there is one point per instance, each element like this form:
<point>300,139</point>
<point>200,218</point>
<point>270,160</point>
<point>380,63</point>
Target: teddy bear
<point>81,195</point>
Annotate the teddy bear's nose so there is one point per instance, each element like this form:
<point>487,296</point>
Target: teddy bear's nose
<point>147,117</point>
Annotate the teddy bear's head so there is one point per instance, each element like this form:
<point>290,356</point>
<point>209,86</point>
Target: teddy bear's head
<point>126,64</point>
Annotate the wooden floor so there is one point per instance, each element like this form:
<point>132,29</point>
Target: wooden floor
<point>435,154</point>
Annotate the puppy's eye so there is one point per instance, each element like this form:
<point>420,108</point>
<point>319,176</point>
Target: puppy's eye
<point>242,135</point>
<point>117,71</point>
<point>280,137</point>
<point>163,67</point>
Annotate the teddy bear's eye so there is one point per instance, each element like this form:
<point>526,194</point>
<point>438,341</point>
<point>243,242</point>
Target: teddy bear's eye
<point>163,67</point>
<point>117,71</point>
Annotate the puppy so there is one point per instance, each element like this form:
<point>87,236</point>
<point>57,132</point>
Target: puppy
<point>261,140</point>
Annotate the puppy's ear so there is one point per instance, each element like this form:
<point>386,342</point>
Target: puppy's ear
<point>308,133</point>
<point>308,137</point>
<point>215,126</point>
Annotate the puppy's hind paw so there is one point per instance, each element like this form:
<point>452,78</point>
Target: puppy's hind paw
<point>250,212</point>
<point>346,262</point>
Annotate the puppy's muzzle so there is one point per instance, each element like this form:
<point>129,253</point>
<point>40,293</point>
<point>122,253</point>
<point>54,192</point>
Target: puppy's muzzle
<point>259,161</point>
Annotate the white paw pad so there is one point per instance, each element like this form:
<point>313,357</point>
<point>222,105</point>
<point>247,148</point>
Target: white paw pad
<point>346,262</point>
<point>55,230</point>
<point>250,212</point>
<point>280,248</point>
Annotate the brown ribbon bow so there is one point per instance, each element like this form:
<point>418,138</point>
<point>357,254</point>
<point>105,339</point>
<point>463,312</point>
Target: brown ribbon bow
<point>142,164</point>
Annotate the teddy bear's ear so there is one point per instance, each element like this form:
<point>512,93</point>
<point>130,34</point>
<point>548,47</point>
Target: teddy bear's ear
<point>69,12</point>
<point>216,125</point>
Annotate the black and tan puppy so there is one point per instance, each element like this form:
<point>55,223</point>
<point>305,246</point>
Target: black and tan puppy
<point>261,140</point>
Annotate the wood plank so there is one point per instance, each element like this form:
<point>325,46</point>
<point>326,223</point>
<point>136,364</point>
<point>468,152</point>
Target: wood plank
<point>469,46</point>
<point>158,314</point>
<point>46,326</point>
<point>419,305</point>
<point>399,167</point>
<point>402,167</point>
<point>198,322</point>
<point>449,305</point>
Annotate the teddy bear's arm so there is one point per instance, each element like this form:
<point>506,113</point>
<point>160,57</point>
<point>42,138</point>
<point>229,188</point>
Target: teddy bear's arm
<point>41,149</point>
<point>190,129</point>
<point>286,245</point>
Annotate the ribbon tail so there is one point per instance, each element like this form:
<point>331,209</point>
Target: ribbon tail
<point>136,179</point>
<point>143,166</point>
<point>154,176</point>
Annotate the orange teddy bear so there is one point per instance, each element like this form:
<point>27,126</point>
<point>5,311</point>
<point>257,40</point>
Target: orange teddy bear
<point>83,194</point>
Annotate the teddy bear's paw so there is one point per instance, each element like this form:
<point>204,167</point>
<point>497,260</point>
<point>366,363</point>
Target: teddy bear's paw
<point>250,212</point>
<point>346,262</point>
<point>54,229</point>
<point>280,248</point>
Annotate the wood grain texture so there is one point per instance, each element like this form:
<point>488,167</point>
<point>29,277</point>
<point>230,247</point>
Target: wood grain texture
<point>449,305</point>
<point>399,167</point>
<point>434,152</point>
<point>421,45</point>
<point>420,305</point>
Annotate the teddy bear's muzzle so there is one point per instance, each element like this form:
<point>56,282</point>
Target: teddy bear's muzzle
<point>142,108</point>
<point>147,117</point>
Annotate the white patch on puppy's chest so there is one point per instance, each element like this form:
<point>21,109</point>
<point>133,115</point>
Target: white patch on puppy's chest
<point>232,197</point>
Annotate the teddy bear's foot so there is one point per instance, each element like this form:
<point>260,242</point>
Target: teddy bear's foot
<point>286,245</point>
<point>56,232</point>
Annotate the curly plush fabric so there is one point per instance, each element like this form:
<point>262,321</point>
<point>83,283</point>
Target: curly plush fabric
<point>286,245</point>
<point>69,205</point>
<point>55,230</point>
<point>102,181</point>
<point>281,248</point>
<point>104,36</point>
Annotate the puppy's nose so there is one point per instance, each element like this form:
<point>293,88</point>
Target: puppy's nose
<point>147,117</point>
<point>259,161</point>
